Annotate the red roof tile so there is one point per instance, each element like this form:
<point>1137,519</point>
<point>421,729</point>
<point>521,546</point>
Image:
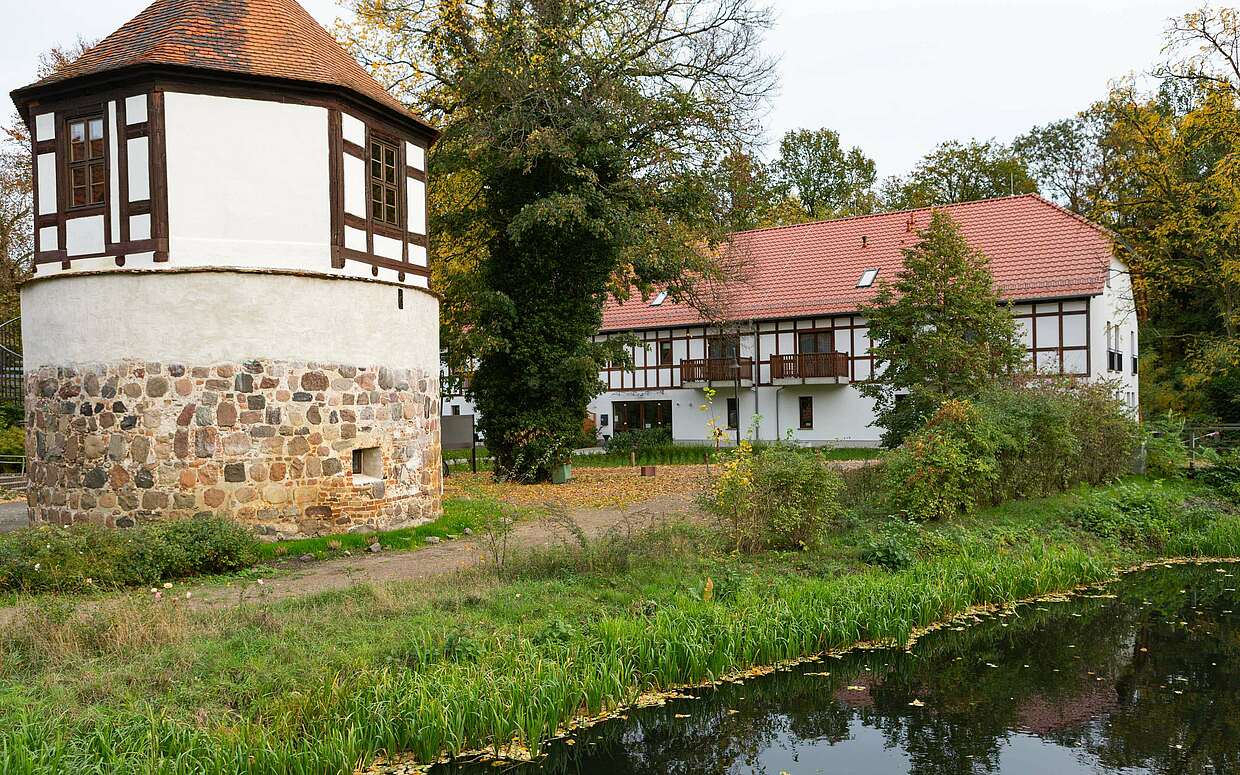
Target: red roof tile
<point>268,38</point>
<point>1036,249</point>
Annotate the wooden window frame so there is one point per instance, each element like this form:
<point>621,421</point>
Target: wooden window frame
<point>379,223</point>
<point>732,408</point>
<point>802,403</point>
<point>815,332</point>
<point>670,352</point>
<point>69,165</point>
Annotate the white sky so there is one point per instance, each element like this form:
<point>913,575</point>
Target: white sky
<point>892,76</point>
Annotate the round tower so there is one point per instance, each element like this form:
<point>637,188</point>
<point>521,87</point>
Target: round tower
<point>231,310</point>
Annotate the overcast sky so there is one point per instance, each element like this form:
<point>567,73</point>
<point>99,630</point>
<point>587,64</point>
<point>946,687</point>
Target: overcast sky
<point>894,77</point>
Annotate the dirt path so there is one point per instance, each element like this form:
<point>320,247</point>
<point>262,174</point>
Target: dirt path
<point>441,559</point>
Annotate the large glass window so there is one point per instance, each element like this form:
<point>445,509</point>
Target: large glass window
<point>814,342</point>
<point>87,177</point>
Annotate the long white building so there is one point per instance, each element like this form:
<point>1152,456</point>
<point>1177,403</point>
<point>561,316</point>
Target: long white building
<point>798,347</point>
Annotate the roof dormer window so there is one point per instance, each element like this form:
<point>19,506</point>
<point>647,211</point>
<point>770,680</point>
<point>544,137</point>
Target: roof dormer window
<point>867,278</point>
<point>87,176</point>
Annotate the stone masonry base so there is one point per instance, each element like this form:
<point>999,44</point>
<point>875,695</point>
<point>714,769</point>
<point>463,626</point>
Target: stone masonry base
<point>268,443</point>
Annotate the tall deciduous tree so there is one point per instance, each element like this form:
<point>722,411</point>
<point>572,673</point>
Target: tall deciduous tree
<point>1068,161</point>
<point>960,172</point>
<point>1174,193</point>
<point>828,180</point>
<point>939,331</point>
<point>574,135</point>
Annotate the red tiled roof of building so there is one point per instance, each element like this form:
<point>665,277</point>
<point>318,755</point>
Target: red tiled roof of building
<point>1036,250</point>
<point>266,38</point>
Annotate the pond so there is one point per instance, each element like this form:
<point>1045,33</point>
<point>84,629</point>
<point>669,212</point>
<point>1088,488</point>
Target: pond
<point>1143,677</point>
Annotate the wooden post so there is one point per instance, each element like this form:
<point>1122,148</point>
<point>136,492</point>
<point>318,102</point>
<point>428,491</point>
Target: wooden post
<point>473,444</point>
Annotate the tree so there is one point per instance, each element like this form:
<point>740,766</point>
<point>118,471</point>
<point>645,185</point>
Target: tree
<point>1068,161</point>
<point>960,172</point>
<point>828,181</point>
<point>575,132</point>
<point>940,331</point>
<point>1173,191</point>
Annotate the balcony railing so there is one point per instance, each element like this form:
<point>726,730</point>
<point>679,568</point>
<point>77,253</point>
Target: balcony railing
<point>809,365</point>
<point>716,369</point>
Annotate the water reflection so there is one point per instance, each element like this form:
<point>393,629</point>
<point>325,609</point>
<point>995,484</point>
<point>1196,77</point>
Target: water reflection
<point>1144,681</point>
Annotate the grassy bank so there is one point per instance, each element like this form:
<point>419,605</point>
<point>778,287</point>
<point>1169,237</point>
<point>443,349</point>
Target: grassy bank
<point>322,684</point>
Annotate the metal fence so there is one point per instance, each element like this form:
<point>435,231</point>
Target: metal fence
<point>1204,441</point>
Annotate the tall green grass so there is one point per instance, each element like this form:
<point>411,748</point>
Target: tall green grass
<point>324,684</point>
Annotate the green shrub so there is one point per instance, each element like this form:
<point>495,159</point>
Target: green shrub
<point>779,497</point>
<point>1224,475</point>
<point>84,557</point>
<point>639,440</point>
<point>1166,454</point>
<point>944,469</point>
<point>894,547</point>
<point>13,441</point>
<point>1011,443</point>
<point>1133,514</point>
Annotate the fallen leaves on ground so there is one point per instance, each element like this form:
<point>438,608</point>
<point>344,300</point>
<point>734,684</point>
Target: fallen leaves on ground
<point>589,487</point>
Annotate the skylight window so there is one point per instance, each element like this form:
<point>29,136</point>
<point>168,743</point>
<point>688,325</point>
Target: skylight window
<point>657,300</point>
<point>867,278</point>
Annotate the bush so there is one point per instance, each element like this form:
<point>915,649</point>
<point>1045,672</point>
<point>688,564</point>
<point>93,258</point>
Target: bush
<point>943,469</point>
<point>1136,515</point>
<point>1166,454</point>
<point>83,557</point>
<point>13,441</point>
<point>1224,475</point>
<point>639,440</point>
<point>780,497</point>
<point>1010,443</point>
<point>894,547</point>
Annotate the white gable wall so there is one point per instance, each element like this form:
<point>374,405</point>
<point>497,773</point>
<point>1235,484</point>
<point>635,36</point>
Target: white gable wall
<point>247,183</point>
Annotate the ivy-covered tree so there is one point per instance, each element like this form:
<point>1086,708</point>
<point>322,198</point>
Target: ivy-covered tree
<point>575,132</point>
<point>939,331</point>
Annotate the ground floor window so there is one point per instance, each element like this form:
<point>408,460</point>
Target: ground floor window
<point>734,414</point>
<point>807,412</point>
<point>642,415</point>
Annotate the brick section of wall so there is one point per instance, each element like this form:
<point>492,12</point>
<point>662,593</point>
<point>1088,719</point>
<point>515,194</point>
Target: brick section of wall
<point>268,443</point>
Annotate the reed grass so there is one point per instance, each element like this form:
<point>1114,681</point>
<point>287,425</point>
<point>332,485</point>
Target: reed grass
<point>324,684</point>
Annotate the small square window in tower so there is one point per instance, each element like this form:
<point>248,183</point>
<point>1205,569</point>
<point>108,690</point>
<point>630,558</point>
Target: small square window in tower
<point>367,463</point>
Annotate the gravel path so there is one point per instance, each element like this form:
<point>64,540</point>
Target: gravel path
<point>13,515</point>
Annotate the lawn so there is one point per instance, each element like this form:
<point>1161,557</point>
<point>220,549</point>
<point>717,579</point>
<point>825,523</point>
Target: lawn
<point>459,513</point>
<point>324,684</point>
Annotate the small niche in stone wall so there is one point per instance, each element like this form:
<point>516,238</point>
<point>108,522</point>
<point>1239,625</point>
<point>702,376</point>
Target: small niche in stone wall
<point>367,464</point>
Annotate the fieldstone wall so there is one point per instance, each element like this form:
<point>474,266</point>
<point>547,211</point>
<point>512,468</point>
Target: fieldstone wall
<point>268,443</point>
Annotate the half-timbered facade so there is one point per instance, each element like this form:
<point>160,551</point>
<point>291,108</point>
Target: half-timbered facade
<point>231,273</point>
<point>786,362</point>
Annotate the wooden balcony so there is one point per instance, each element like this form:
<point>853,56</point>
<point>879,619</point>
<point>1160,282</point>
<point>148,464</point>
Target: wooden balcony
<point>809,367</point>
<point>705,370</point>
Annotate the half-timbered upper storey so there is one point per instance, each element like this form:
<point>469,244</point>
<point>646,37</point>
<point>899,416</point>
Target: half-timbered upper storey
<point>226,133</point>
<point>789,329</point>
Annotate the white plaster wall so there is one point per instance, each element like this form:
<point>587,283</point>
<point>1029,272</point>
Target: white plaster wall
<point>1116,306</point>
<point>114,174</point>
<point>45,127</point>
<point>247,183</point>
<point>841,414</point>
<point>138,160</point>
<point>47,183</point>
<point>84,235</point>
<point>210,317</point>
<point>354,186</point>
<point>135,109</point>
